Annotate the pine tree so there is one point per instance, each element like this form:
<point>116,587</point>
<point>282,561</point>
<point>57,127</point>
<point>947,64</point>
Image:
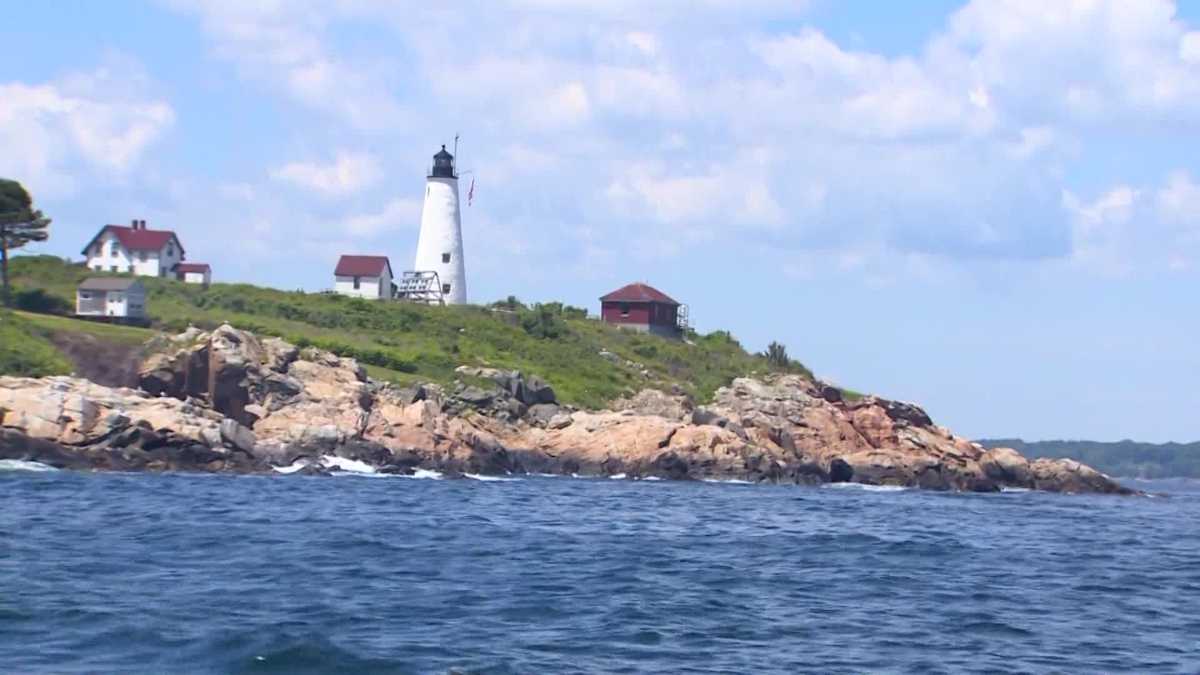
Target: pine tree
<point>777,356</point>
<point>20,224</point>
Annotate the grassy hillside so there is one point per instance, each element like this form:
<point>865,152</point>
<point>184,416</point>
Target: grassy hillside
<point>26,350</point>
<point>589,363</point>
<point>1123,458</point>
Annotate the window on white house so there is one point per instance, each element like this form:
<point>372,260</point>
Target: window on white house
<point>142,256</point>
<point>445,289</point>
<point>356,280</point>
<point>445,257</point>
<point>114,268</point>
<point>170,249</point>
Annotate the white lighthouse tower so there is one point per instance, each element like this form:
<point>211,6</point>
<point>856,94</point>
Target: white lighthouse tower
<point>440,245</point>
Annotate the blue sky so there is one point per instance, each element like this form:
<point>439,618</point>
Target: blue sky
<point>990,207</point>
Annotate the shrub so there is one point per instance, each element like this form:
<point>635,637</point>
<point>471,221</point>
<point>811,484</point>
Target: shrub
<point>38,300</point>
<point>543,321</point>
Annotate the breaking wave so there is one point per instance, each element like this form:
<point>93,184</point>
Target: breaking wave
<point>864,486</point>
<point>24,465</point>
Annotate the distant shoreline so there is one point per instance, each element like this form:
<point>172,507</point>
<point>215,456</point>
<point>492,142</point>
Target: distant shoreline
<point>1127,459</point>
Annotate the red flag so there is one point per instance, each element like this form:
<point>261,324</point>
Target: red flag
<point>471,192</point>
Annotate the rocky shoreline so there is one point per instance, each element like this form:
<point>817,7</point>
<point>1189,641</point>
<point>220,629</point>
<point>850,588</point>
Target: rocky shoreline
<point>228,401</point>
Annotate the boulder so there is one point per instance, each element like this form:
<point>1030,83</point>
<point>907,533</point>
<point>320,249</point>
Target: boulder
<point>1006,466</point>
<point>657,403</point>
<point>237,436</point>
<point>907,412</point>
<point>540,414</point>
<point>531,390</point>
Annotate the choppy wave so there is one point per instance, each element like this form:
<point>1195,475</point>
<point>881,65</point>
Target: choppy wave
<point>24,465</point>
<point>116,574</point>
<point>491,479</point>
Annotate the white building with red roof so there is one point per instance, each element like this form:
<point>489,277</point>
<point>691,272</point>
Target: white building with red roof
<point>194,273</point>
<point>135,249</point>
<point>364,276</point>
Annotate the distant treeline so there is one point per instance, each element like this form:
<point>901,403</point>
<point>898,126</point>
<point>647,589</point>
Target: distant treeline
<point>1123,458</point>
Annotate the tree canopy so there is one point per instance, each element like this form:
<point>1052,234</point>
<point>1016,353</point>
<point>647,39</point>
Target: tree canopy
<point>20,224</point>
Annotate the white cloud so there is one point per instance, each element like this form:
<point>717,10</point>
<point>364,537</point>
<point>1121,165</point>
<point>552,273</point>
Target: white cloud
<point>616,114</point>
<point>701,201</point>
<point>349,173</point>
<point>1129,230</point>
<point>283,43</point>
<point>46,128</point>
<point>398,214</point>
<point>1179,200</point>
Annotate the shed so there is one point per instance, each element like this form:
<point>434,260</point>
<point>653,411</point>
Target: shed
<point>118,297</point>
<point>194,273</point>
<point>642,307</point>
<point>364,276</point>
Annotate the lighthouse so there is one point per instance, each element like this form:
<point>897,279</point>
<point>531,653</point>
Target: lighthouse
<point>440,245</point>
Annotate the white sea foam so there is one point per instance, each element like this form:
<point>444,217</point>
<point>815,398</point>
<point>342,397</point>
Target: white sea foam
<point>868,488</point>
<point>291,468</point>
<point>24,465</point>
<point>422,474</point>
<point>490,479</point>
<point>730,481</point>
<point>617,476</point>
<point>652,478</point>
<point>1014,489</point>
<point>347,465</point>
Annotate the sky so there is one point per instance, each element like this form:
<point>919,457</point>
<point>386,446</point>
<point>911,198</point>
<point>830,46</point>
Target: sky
<point>991,208</point>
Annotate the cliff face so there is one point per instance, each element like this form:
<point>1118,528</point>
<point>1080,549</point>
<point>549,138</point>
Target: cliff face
<point>228,401</point>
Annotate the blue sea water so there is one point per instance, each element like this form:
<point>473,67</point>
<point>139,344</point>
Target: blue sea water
<point>204,573</point>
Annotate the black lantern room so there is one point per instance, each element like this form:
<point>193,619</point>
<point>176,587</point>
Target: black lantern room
<point>443,165</point>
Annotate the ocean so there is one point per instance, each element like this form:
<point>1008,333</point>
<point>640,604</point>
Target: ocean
<point>182,573</point>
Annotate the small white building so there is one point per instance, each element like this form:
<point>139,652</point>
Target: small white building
<point>134,250</point>
<point>364,276</point>
<point>194,273</point>
<point>118,297</point>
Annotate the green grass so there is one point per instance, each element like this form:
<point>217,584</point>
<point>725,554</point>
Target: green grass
<point>126,335</point>
<point>406,343</point>
<point>25,351</point>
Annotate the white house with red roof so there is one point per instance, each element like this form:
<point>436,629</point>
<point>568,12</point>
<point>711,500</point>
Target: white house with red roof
<point>364,276</point>
<point>135,249</point>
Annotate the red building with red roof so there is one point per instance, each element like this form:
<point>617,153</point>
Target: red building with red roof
<point>644,308</point>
